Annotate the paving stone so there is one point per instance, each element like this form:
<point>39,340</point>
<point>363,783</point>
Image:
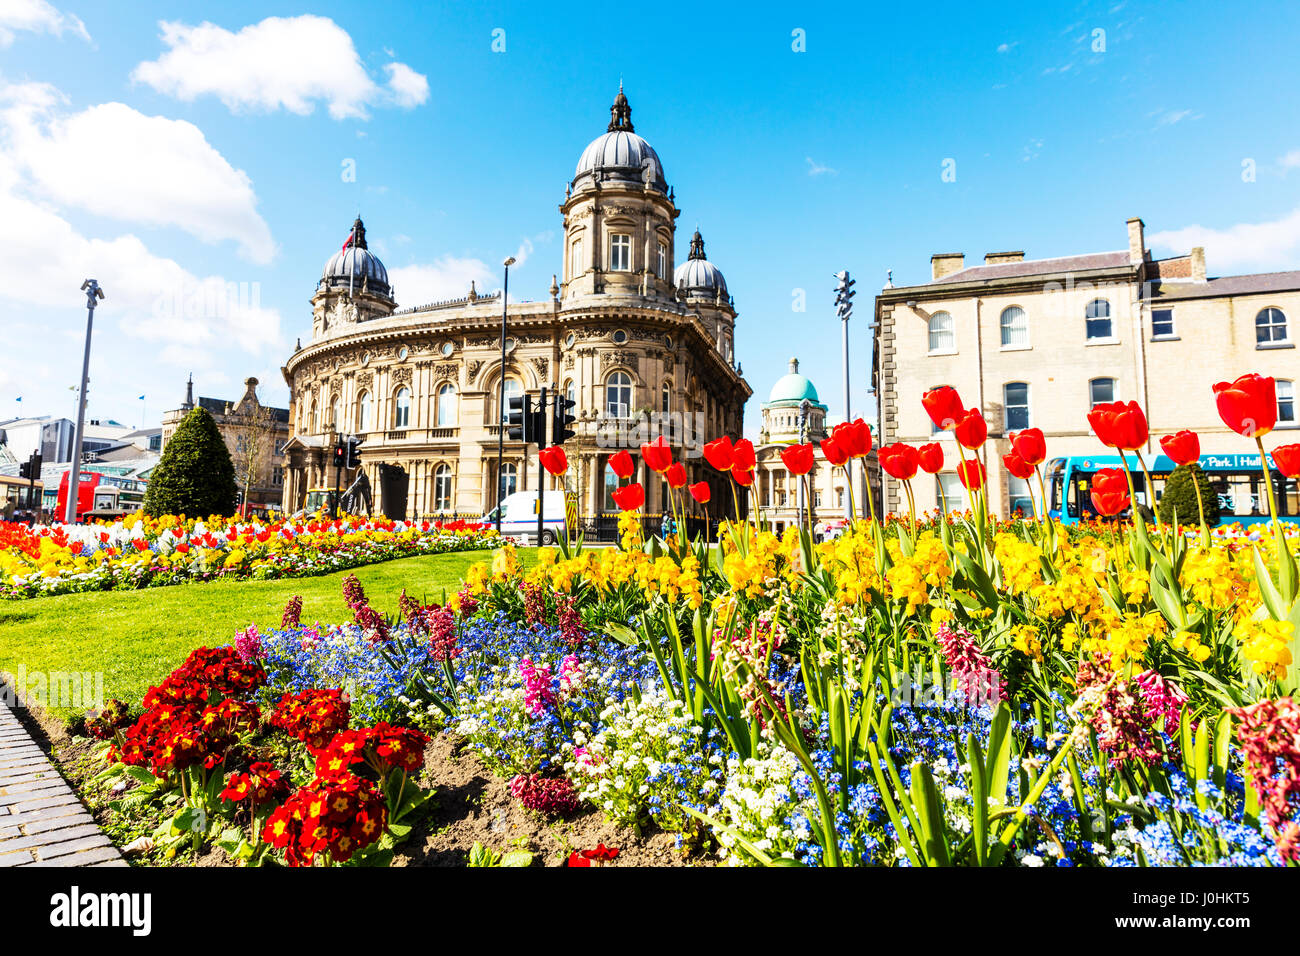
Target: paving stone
<point>46,824</point>
<point>18,858</point>
<point>85,857</point>
<point>49,838</point>
<point>52,851</point>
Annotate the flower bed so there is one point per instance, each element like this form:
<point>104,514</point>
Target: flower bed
<point>141,552</point>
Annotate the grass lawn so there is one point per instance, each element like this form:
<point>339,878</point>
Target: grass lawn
<point>138,637</point>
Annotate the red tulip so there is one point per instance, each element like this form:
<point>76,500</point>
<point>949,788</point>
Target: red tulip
<point>931,457</point>
<point>1121,425</point>
<point>944,406</point>
<point>742,458</point>
<point>1030,445</point>
<point>629,497</point>
<point>798,458</point>
<point>1109,492</point>
<point>833,452</point>
<point>899,460</point>
<point>971,474</point>
<point>744,478</point>
<point>701,492</point>
<point>854,437</point>
<point>971,430</point>
<point>554,460</point>
<point>621,464</point>
<point>1018,466</point>
<point>1287,460</point>
<point>675,475</point>
<point>1249,405</point>
<point>720,453</point>
<point>1182,447</point>
<point>657,455</point>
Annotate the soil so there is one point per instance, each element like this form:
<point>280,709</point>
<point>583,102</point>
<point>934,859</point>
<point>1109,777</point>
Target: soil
<point>470,805</point>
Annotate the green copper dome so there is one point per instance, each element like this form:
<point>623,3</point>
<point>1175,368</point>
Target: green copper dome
<point>793,387</point>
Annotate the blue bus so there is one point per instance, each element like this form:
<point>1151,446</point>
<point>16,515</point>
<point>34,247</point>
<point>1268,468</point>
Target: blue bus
<point>1236,478</point>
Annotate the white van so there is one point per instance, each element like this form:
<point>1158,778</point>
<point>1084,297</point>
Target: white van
<point>519,516</point>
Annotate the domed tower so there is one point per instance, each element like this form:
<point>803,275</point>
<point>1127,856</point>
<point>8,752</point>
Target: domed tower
<point>784,406</point>
<point>701,286</point>
<point>353,286</point>
<point>619,216</point>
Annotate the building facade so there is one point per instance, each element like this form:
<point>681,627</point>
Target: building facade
<point>1037,343</point>
<point>256,436</point>
<point>642,345</point>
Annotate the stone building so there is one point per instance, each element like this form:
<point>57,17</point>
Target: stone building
<point>256,435</point>
<point>1037,343</point>
<point>793,414</point>
<point>641,344</point>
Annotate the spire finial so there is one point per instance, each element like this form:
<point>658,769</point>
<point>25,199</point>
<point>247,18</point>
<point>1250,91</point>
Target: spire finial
<point>794,366</point>
<point>358,233</point>
<point>189,393</point>
<point>620,114</point>
<point>697,246</point>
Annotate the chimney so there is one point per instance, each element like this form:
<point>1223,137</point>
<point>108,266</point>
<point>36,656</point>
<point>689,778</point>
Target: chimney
<point>946,263</point>
<point>1136,242</point>
<point>997,258</point>
<point>1198,263</point>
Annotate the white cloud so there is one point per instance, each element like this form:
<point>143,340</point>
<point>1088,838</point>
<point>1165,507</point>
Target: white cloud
<point>1171,117</point>
<point>114,161</point>
<point>818,169</point>
<point>1008,47</point>
<point>446,278</point>
<point>409,88</point>
<point>36,16</point>
<point>1291,160</point>
<point>280,63</point>
<point>1248,245</point>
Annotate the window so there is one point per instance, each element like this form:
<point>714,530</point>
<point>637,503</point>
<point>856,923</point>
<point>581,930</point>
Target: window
<point>620,253</point>
<point>335,419</point>
<point>1270,327</point>
<point>509,479</point>
<point>363,412</point>
<point>1015,327</point>
<point>280,445</point>
<point>510,389</point>
<point>402,408</point>
<point>666,398</point>
<point>575,258</point>
<point>1162,323</point>
<point>315,416</point>
<point>948,491</point>
<point>446,405</point>
<point>1020,498</point>
<point>571,392</point>
<point>943,337</point>
<point>1097,317</point>
<point>442,488</point>
<point>612,481</point>
<point>618,395</point>
<point>661,269</point>
<point>1285,402</point>
<point>1015,405</point>
<point>1100,390</point>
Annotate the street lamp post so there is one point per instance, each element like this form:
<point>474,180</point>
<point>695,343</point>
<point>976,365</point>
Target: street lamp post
<point>844,309</point>
<point>501,393</point>
<point>803,503</point>
<point>93,294</point>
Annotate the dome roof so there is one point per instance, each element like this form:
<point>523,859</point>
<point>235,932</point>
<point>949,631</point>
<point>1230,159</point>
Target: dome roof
<point>620,154</point>
<point>697,275</point>
<point>793,387</point>
<point>355,266</point>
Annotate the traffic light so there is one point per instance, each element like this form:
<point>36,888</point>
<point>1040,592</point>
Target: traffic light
<point>25,470</point>
<point>340,455</point>
<point>519,418</point>
<point>354,453</point>
<point>844,295</point>
<point>560,430</point>
<point>35,461</point>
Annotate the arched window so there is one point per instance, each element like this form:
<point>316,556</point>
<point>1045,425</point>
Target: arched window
<point>363,412</point>
<point>510,388</point>
<point>661,269</point>
<point>612,481</point>
<point>943,336</point>
<point>1015,327</point>
<point>618,395</point>
<point>402,408</point>
<point>575,258</point>
<point>314,421</point>
<point>1101,390</point>
<point>1097,318</point>
<point>336,420</point>
<point>1015,406</point>
<point>666,398</point>
<point>571,392</point>
<point>446,405</point>
<point>1270,327</point>
<point>509,479</point>
<point>1285,402</point>
<point>442,488</point>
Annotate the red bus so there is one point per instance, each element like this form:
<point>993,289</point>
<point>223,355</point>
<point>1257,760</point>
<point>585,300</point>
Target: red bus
<point>101,496</point>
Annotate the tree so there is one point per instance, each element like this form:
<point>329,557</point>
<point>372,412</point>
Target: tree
<point>1180,497</point>
<point>195,475</point>
<point>253,448</point>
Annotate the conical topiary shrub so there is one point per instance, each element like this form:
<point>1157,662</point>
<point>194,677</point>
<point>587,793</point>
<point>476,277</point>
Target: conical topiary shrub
<point>195,475</point>
<point>1180,496</point>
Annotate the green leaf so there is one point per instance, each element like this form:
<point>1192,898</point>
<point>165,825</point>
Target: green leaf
<point>934,832</point>
<point>1277,608</point>
<point>517,859</point>
<point>621,633</point>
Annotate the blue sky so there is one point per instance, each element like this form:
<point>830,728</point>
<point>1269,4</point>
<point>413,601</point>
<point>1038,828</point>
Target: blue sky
<point>169,159</point>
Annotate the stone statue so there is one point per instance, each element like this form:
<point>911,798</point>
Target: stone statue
<point>356,500</point>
